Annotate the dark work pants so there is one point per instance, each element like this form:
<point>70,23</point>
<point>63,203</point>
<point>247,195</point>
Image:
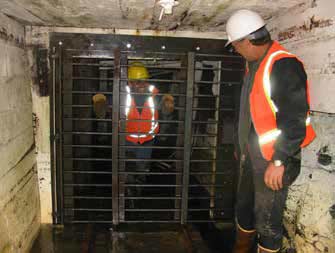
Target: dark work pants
<point>258,207</point>
<point>141,166</point>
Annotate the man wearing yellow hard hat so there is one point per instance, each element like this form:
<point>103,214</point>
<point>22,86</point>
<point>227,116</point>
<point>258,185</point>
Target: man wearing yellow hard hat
<point>142,114</point>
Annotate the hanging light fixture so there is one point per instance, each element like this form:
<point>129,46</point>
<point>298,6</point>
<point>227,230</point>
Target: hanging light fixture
<point>167,6</point>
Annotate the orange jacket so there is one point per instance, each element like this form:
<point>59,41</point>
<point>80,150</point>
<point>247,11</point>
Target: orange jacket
<point>141,131</point>
<point>263,109</point>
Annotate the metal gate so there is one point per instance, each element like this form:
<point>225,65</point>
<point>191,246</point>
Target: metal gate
<point>189,176</point>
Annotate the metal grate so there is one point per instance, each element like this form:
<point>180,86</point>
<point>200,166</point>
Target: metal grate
<point>190,175</point>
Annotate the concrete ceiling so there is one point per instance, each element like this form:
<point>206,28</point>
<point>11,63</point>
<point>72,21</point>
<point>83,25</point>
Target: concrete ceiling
<point>195,15</point>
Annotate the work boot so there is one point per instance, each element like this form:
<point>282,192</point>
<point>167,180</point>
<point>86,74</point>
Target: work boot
<point>244,241</point>
<point>261,249</point>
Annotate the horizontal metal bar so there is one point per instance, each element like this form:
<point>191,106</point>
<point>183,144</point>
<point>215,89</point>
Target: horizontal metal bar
<point>163,160</point>
<point>139,160</point>
<point>127,198</point>
<point>87,119</point>
<point>142,107</point>
<point>157,80</point>
<point>86,197</point>
<point>204,121</point>
<point>157,94</point>
<point>209,173</point>
<point>208,221</point>
<point>83,106</point>
<point>86,92</point>
<point>160,121</point>
<point>128,147</point>
<point>204,135</point>
<point>142,173</point>
<point>127,133</point>
<point>90,221</point>
<point>175,185</point>
<point>152,198</point>
<point>89,209</point>
<point>87,146</point>
<point>228,224</point>
<point>149,221</point>
<point>205,96</point>
<point>218,69</point>
<point>89,185</point>
<point>91,78</point>
<point>87,172</point>
<point>149,173</point>
<point>152,147</point>
<point>205,209</point>
<point>153,185</point>
<point>88,159</point>
<point>150,53</point>
<point>124,222</point>
<point>86,133</point>
<point>93,56</point>
<point>204,109</point>
<point>156,67</point>
<point>151,210</point>
<point>93,64</point>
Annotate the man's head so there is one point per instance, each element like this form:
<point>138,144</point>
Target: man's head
<point>247,34</point>
<point>137,73</point>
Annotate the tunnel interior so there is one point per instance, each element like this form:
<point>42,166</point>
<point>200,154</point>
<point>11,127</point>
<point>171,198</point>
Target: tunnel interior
<point>189,178</point>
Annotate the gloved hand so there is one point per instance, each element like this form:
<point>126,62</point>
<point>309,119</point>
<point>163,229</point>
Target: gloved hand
<point>99,105</point>
<point>167,104</point>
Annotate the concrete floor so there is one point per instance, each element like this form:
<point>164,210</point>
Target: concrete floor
<point>139,239</point>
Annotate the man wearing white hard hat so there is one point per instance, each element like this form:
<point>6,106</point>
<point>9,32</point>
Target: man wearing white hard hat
<point>274,124</point>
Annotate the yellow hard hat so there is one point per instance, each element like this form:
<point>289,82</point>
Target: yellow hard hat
<point>137,71</point>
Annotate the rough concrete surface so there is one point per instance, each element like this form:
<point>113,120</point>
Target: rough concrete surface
<point>19,195</point>
<point>309,33</point>
<point>188,15</point>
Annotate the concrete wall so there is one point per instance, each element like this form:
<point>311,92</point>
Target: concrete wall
<point>19,194</point>
<point>309,32</point>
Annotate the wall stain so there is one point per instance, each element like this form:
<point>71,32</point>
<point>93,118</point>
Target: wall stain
<point>10,38</point>
<point>308,26</point>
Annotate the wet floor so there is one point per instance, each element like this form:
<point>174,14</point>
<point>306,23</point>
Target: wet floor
<point>134,238</point>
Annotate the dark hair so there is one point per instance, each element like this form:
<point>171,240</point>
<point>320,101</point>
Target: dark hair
<point>260,37</point>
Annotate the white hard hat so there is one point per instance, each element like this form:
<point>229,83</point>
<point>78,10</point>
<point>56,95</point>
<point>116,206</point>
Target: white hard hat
<point>242,23</point>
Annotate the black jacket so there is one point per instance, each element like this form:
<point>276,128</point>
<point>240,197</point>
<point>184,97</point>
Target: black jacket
<point>288,91</point>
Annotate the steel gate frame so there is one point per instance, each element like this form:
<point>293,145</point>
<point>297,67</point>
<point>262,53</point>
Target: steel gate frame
<point>59,75</point>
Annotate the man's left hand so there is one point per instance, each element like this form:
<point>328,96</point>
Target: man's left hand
<point>273,176</point>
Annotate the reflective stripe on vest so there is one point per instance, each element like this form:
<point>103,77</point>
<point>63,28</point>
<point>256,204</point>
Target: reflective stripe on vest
<point>263,109</point>
<point>154,123</point>
<point>272,135</point>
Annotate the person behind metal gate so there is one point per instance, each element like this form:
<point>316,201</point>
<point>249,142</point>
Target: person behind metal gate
<point>274,124</point>
<point>142,115</point>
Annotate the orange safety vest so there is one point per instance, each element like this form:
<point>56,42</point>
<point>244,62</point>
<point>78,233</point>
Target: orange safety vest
<point>141,131</point>
<point>262,107</point>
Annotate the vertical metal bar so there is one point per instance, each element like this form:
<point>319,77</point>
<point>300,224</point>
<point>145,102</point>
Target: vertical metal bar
<point>115,136</point>
<point>65,64</point>
<point>122,138</point>
<point>214,168</point>
<point>188,135</point>
<point>180,140</point>
<point>54,144</point>
<point>60,128</point>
